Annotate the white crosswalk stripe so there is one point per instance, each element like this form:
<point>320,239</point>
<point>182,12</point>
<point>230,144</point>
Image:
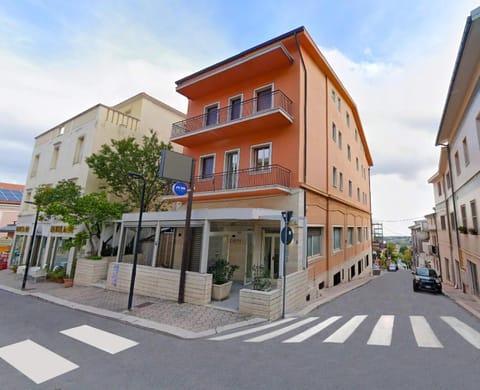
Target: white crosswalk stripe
<point>468,333</point>
<point>382,332</point>
<point>312,331</point>
<point>100,339</point>
<point>279,332</point>
<point>342,334</point>
<point>252,330</point>
<point>40,364</point>
<point>423,333</point>
<point>36,362</point>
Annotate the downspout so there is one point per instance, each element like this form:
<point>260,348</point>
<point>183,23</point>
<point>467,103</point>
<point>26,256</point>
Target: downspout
<point>371,221</point>
<point>304,113</point>
<point>438,242</point>
<point>457,234</point>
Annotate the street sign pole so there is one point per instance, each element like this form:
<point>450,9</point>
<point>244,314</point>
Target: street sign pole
<point>286,215</point>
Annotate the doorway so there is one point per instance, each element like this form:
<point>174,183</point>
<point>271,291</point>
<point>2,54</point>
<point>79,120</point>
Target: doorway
<point>271,254</point>
<point>231,170</point>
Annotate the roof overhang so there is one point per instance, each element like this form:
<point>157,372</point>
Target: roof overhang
<point>442,165</point>
<point>464,78</point>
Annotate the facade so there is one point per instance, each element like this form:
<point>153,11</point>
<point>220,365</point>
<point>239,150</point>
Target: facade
<point>457,180</point>
<point>59,153</point>
<point>10,199</point>
<point>423,247</point>
<point>271,129</point>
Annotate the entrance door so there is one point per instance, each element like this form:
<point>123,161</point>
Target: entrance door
<point>231,170</point>
<point>271,254</point>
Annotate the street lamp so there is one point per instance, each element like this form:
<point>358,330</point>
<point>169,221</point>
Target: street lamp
<point>32,243</point>
<point>137,241</point>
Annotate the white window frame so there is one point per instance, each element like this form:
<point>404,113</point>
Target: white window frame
<point>350,233</point>
<point>205,111</point>
<point>79,148</point>
<point>230,107</point>
<point>253,164</point>
<point>321,245</point>
<point>55,154</point>
<point>200,166</point>
<point>260,89</point>
<point>466,155</point>
<point>334,229</point>
<point>334,177</point>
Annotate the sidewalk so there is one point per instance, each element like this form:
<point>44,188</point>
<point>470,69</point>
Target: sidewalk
<point>186,320</point>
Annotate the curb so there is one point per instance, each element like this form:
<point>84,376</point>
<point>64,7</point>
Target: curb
<point>463,305</point>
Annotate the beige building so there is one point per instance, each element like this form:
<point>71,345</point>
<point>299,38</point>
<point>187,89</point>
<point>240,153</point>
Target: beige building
<point>59,153</point>
<point>457,180</point>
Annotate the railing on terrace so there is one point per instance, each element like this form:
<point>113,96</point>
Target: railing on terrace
<point>234,112</point>
<point>272,175</point>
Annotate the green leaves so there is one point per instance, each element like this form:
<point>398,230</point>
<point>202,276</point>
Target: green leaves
<point>112,164</point>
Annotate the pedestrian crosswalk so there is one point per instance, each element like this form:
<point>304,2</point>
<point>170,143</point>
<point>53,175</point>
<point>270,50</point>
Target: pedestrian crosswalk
<point>40,364</point>
<point>338,330</point>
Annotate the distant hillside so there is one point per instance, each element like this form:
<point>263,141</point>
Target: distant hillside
<point>399,240</point>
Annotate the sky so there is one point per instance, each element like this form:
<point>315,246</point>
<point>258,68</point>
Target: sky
<point>395,58</point>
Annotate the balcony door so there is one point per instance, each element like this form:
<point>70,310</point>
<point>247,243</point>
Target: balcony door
<point>231,169</point>
<point>271,254</point>
<point>264,99</point>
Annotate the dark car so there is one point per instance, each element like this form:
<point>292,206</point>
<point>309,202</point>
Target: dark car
<point>427,279</point>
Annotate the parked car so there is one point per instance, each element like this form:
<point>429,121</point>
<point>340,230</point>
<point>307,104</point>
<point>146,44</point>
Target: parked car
<point>392,267</point>
<point>427,279</point>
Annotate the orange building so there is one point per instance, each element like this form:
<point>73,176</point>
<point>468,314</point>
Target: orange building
<point>273,129</point>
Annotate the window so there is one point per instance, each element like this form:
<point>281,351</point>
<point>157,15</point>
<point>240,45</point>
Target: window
<point>447,179</point>
<point>339,104</point>
<point>439,188</point>
<point>366,233</point>
<point>62,130</point>
<point>457,164</point>
<point>264,99</point>
<point>443,225</point>
<point>235,108</point>
<point>350,236</point>
<point>53,161</point>
<point>315,241</point>
<point>359,234</point>
<point>334,132</point>
<point>340,184</point>
<point>211,115</point>
<point>349,153</point>
<point>347,117</point>
<point>77,158</point>
<point>452,221</point>
<point>463,213</point>
<point>334,96</point>
<point>334,177</point>
<point>206,166</point>
<point>350,190</point>
<point>465,151</point>
<point>356,163</point>
<point>356,135</point>
<point>340,140</point>
<point>261,157</point>
<point>337,238</point>
<point>36,161</point>
<point>473,209</point>
<point>358,194</point>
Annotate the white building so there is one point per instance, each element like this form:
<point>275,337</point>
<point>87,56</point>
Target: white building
<point>59,153</point>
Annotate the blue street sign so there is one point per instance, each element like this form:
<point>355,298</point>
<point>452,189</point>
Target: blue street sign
<point>289,235</point>
<point>180,188</point>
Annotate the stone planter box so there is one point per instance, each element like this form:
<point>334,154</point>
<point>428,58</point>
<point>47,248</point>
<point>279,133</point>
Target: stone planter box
<point>376,272</point>
<point>264,304</point>
<point>220,292</point>
<point>89,271</point>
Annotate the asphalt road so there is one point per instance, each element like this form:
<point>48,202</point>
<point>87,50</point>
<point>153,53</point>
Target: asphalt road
<point>382,352</point>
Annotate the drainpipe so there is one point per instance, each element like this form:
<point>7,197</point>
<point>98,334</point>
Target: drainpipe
<point>457,234</point>
<point>438,242</point>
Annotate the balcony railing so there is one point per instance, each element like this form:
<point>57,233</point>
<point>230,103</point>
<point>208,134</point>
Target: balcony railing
<point>276,100</point>
<point>269,176</point>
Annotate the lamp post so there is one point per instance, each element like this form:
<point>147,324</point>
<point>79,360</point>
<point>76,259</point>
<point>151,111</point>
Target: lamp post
<point>32,243</point>
<point>137,240</point>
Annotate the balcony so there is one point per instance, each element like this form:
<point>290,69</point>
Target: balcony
<point>268,110</point>
<point>273,179</point>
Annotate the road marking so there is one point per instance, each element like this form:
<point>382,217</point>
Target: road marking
<point>382,332</point>
<point>342,334</point>
<point>469,334</point>
<point>423,333</point>
<point>252,330</point>
<point>100,339</point>
<point>36,362</point>
<point>312,331</point>
<point>279,332</point>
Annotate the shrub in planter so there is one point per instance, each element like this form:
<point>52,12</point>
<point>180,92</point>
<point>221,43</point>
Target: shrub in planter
<point>261,278</point>
<point>473,231</point>
<point>462,229</point>
<point>222,272</point>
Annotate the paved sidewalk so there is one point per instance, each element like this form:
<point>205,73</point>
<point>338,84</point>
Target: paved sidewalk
<point>186,320</point>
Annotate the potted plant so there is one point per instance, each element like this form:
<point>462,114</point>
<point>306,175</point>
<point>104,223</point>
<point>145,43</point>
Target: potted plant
<point>261,278</point>
<point>222,273</point>
<point>462,229</point>
<point>473,231</point>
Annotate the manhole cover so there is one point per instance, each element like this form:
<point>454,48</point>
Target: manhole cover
<point>144,304</point>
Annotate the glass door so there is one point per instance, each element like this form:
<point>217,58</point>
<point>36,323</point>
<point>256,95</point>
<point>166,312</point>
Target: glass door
<point>231,170</point>
<point>271,254</point>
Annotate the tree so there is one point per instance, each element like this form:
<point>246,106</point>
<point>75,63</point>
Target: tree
<point>112,164</point>
<point>86,212</point>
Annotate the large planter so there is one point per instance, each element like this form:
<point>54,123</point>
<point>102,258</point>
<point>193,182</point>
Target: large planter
<point>90,271</point>
<point>221,292</point>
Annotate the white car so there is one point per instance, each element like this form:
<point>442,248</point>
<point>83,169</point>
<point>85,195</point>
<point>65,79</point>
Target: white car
<point>392,267</point>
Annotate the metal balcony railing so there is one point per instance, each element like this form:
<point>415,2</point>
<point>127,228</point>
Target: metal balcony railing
<point>236,111</point>
<point>271,175</point>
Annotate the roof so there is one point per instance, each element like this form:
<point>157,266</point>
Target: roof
<point>11,193</point>
<point>462,83</point>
